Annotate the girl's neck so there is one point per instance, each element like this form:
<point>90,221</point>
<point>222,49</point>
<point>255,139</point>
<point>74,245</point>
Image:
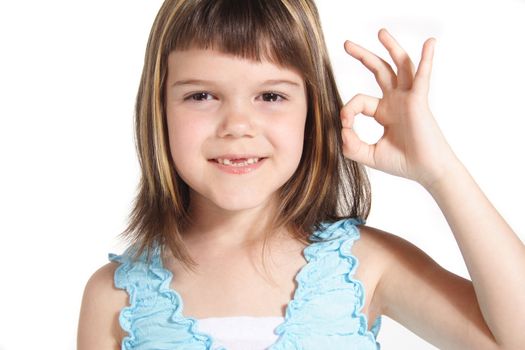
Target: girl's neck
<point>223,228</point>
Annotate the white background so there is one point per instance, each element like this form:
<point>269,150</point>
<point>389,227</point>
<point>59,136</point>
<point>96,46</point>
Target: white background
<point>69,73</point>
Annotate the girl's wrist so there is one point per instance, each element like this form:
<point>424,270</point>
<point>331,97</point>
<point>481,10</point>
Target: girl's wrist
<point>447,175</point>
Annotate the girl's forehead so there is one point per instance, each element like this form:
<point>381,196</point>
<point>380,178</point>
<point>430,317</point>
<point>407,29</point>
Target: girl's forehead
<point>211,60</point>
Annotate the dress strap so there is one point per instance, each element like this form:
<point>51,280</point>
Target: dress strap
<point>327,305</point>
<point>153,319</point>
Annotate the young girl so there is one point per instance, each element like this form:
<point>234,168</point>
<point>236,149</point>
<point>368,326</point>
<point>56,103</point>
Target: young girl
<point>248,230</point>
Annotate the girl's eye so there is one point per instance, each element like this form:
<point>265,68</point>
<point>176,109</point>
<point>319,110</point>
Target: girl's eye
<point>272,97</point>
<point>199,96</point>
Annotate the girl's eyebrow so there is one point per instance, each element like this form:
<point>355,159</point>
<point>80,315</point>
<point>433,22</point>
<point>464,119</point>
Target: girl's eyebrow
<point>207,82</point>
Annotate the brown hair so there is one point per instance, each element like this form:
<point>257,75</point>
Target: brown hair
<point>325,187</point>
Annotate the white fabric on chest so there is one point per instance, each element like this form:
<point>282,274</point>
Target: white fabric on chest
<point>241,332</point>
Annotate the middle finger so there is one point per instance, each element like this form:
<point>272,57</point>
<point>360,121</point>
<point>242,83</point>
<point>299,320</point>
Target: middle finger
<point>405,67</point>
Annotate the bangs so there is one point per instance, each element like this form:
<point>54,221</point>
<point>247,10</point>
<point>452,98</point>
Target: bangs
<point>250,29</point>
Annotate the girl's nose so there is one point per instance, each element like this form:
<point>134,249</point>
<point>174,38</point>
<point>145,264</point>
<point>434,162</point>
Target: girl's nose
<point>237,121</point>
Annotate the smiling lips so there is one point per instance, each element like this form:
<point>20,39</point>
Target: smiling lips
<point>238,164</point>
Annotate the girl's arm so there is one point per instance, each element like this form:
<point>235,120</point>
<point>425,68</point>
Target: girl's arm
<point>494,255</point>
<point>98,326</point>
<point>414,289</point>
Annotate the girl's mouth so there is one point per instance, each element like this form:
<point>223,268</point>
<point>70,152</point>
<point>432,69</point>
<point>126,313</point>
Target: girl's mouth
<point>237,162</point>
<point>238,165</point>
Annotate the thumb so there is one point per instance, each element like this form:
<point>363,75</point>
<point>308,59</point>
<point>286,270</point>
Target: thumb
<point>353,147</point>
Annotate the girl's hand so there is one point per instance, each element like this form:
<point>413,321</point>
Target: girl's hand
<point>412,145</point>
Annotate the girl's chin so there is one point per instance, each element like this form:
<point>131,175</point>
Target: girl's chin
<point>239,204</point>
<point>232,200</point>
<point>233,203</point>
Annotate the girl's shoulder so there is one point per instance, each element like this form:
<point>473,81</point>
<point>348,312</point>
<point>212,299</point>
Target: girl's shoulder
<point>381,253</point>
<point>99,326</point>
<point>386,251</point>
<point>376,244</point>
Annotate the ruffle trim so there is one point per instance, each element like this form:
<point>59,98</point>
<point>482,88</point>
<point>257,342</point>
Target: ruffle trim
<point>342,235</point>
<point>177,317</point>
<point>123,281</point>
<point>345,250</point>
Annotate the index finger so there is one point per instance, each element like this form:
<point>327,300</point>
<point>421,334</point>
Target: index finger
<point>385,76</point>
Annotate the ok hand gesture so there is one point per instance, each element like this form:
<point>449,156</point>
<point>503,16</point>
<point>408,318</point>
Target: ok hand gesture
<point>412,145</point>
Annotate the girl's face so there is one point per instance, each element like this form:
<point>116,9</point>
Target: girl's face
<point>236,127</point>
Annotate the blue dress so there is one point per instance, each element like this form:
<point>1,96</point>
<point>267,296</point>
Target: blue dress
<point>325,312</point>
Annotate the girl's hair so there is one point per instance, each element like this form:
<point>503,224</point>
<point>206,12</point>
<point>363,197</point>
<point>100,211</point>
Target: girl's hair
<point>325,187</point>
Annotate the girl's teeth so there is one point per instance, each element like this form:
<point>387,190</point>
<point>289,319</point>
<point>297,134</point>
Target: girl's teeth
<point>248,161</point>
